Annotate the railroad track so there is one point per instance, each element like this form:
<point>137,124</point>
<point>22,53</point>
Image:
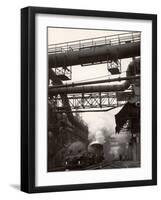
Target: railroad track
<point>105,165</point>
<point>114,165</point>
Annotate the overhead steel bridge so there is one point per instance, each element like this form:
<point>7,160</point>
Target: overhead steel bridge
<point>108,49</point>
<point>94,102</point>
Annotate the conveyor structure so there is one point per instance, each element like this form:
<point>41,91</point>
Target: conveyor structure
<point>108,49</point>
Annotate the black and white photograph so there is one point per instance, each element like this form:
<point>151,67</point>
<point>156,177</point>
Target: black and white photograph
<point>94,102</point>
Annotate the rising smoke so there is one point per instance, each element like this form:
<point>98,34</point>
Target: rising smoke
<point>101,125</point>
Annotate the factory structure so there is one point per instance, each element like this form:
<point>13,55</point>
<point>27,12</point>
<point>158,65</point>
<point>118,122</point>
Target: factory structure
<point>68,145</point>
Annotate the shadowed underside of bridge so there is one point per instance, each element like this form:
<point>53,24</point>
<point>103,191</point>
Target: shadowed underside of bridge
<point>94,51</point>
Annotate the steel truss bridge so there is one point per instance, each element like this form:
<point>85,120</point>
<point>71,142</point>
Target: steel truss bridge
<point>102,101</point>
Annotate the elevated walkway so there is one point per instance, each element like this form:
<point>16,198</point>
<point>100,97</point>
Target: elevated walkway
<point>107,49</point>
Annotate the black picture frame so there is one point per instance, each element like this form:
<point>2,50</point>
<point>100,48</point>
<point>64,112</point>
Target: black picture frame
<point>28,98</point>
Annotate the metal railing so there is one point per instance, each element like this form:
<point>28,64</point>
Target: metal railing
<point>117,39</point>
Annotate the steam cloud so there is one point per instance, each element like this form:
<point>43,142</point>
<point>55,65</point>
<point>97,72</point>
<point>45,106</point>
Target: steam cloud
<point>101,124</point>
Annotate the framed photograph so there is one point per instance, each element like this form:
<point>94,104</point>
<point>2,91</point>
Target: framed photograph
<point>88,99</point>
